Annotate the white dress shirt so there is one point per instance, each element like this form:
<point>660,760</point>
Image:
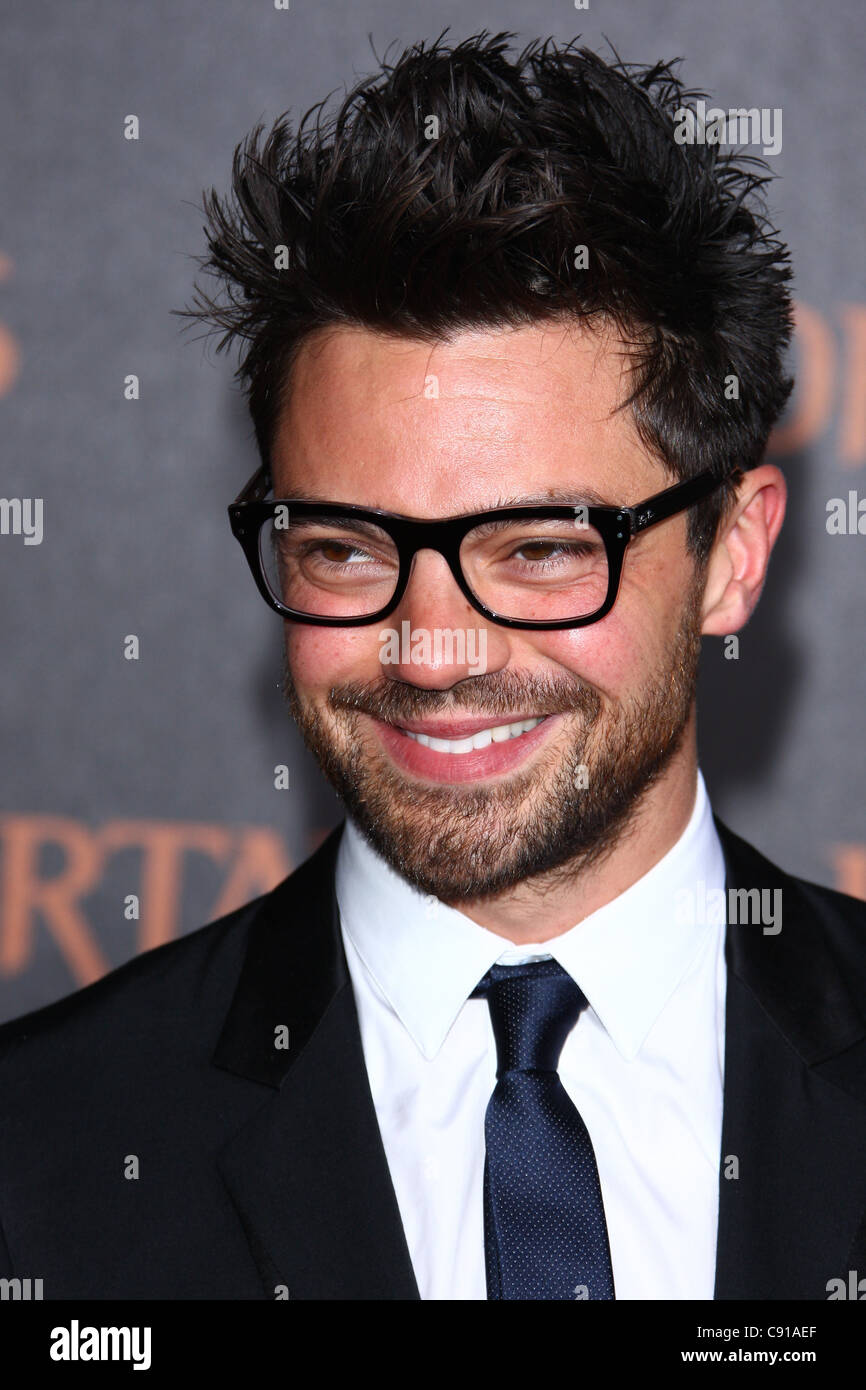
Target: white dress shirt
<point>643,1064</point>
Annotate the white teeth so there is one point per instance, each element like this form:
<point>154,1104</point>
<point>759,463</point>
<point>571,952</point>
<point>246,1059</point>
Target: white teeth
<point>496,734</point>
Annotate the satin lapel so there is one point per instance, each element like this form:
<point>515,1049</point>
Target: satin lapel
<point>793,1176</point>
<point>308,1174</point>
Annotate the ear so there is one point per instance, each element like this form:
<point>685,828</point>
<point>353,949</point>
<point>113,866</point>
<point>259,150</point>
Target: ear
<point>737,564</point>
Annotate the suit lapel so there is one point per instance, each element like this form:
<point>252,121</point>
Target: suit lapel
<point>308,1173</point>
<point>794,1119</point>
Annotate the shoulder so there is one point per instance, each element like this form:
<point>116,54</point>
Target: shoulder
<point>748,861</point>
<point>159,999</point>
<point>838,918</point>
<point>163,1010</point>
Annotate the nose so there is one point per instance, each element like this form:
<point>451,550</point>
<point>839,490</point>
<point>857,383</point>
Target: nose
<point>436,638</point>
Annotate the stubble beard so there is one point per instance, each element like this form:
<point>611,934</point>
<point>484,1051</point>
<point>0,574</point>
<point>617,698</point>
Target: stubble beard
<point>462,843</point>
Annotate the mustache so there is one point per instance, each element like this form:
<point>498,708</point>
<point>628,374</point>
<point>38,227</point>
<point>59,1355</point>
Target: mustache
<point>505,694</point>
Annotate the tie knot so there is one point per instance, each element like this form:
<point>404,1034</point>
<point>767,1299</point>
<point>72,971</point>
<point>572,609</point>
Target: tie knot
<point>533,1008</point>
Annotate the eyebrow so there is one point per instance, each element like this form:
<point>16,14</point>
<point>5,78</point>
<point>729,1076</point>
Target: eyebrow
<point>552,497</point>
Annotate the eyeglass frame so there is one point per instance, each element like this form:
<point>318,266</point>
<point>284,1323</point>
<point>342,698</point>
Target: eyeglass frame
<point>617,526</point>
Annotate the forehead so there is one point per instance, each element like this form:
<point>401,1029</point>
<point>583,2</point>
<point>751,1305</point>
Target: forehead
<point>403,424</point>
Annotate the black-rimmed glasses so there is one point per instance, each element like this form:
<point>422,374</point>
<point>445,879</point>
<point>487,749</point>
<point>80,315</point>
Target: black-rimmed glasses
<point>337,565</point>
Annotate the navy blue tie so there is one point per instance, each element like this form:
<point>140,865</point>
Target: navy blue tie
<point>545,1234</point>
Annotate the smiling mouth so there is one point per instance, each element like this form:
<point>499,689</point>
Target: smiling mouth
<point>495,733</point>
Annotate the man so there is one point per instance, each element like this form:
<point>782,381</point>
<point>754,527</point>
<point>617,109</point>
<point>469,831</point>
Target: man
<point>531,1023</point>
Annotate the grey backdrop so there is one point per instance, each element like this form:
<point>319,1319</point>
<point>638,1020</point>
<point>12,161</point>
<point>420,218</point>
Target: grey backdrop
<point>155,777</point>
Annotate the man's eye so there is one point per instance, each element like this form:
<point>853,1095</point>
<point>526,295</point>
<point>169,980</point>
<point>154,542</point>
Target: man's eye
<point>338,552</point>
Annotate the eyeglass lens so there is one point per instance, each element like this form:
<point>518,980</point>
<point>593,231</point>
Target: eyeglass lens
<point>531,569</point>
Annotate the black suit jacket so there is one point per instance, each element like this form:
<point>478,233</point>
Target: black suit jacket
<point>262,1170</point>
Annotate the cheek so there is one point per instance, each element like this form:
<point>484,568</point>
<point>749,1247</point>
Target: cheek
<point>617,654</point>
<point>319,657</point>
<point>637,638</point>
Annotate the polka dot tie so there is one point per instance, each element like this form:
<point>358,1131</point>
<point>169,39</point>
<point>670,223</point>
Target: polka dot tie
<point>545,1234</point>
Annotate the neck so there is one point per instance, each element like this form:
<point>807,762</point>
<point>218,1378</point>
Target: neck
<point>543,908</point>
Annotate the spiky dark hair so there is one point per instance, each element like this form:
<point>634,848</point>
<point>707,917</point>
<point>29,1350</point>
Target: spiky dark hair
<point>476,228</point>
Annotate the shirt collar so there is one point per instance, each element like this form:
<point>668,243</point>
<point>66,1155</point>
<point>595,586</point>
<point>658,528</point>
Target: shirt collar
<point>628,957</point>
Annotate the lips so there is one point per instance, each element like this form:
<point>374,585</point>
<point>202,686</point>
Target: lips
<point>469,752</point>
<point>459,728</point>
<point>482,738</point>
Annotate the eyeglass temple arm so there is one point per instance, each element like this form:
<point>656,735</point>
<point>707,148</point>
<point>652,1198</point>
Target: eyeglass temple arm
<point>257,487</point>
<point>657,508</point>
<point>675,499</point>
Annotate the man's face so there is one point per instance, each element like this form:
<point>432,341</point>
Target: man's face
<point>486,420</point>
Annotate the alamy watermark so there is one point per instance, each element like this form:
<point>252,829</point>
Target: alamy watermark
<point>738,126</point>
<point>77,1343</point>
<point>22,516</point>
<point>853,1288</point>
<point>436,646</point>
<point>737,906</point>
<point>20,1290</point>
<point>846,518</point>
